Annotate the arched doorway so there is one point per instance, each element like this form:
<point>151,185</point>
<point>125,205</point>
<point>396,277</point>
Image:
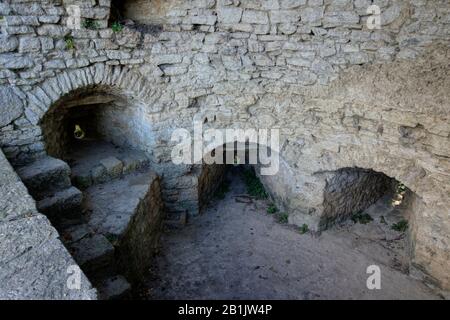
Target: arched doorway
<point>99,113</point>
<point>96,186</point>
<point>247,157</point>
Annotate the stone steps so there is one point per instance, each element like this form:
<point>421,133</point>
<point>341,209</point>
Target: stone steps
<point>45,176</point>
<point>48,182</point>
<point>107,169</point>
<point>114,203</point>
<point>97,162</point>
<point>114,288</point>
<point>112,226</point>
<point>176,220</point>
<point>129,212</point>
<point>95,255</point>
<point>62,205</point>
<point>116,240</point>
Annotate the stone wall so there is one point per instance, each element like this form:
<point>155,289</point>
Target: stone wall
<point>342,95</point>
<point>350,191</point>
<point>102,114</point>
<point>140,240</point>
<point>210,180</point>
<point>34,264</point>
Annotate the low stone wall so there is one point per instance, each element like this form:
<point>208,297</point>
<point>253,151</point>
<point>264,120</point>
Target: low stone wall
<point>33,262</point>
<point>140,241</point>
<point>208,182</point>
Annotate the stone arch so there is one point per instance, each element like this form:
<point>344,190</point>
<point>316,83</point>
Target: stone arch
<point>128,81</point>
<point>71,86</point>
<point>211,175</point>
<point>428,205</point>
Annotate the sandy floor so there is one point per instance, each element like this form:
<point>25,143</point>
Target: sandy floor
<point>235,250</point>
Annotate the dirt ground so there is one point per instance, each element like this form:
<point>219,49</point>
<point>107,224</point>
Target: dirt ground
<point>236,250</point>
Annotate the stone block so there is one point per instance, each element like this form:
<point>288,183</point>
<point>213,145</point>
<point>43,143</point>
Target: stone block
<point>113,166</point>
<point>255,17</point>
<point>229,15</point>
<point>11,106</point>
<point>45,175</point>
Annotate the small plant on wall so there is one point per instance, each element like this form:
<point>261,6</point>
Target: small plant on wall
<point>304,229</point>
<point>283,217</point>
<point>271,209</point>
<point>400,226</point>
<point>362,218</point>
<point>90,24</point>
<point>254,186</point>
<point>117,27</point>
<point>69,42</point>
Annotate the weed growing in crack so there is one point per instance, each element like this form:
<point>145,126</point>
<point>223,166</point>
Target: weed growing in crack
<point>271,209</point>
<point>283,217</point>
<point>254,186</point>
<point>400,226</point>
<point>117,27</point>
<point>70,44</point>
<point>304,229</point>
<point>362,218</point>
<point>90,24</point>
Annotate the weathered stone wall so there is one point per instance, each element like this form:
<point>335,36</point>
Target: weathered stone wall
<point>342,95</point>
<point>101,114</point>
<point>210,179</point>
<point>350,191</point>
<point>33,261</point>
<point>146,11</point>
<point>140,241</point>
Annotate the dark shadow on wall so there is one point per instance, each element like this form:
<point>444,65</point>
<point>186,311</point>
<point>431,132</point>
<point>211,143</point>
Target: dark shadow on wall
<point>212,183</point>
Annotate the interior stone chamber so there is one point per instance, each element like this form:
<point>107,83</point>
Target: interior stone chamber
<point>100,114</point>
<point>359,110</point>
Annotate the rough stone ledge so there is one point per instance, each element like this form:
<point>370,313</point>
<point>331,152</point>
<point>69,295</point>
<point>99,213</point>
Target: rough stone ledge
<point>33,262</point>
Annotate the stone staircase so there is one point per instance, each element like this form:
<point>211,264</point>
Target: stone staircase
<point>48,181</point>
<point>112,227</point>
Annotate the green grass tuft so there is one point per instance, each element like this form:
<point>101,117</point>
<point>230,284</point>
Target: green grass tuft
<point>117,27</point>
<point>271,209</point>
<point>362,218</point>
<point>70,44</point>
<point>400,226</point>
<point>90,24</point>
<point>304,229</point>
<point>254,186</point>
<point>283,217</point>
